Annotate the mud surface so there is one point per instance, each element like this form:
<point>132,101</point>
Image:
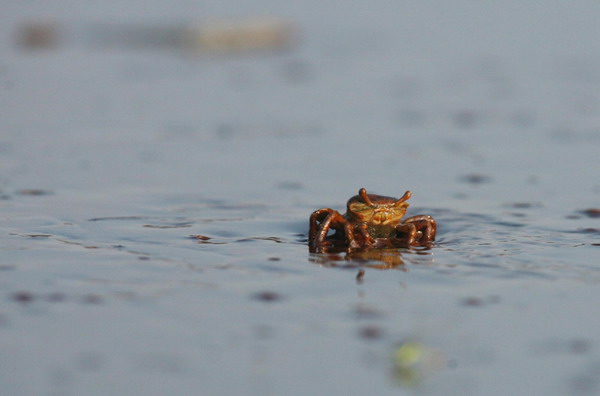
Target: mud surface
<point>154,202</point>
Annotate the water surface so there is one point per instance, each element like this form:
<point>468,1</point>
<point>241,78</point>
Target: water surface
<point>154,204</point>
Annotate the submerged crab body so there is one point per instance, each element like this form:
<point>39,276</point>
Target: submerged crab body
<point>381,231</point>
<point>370,221</point>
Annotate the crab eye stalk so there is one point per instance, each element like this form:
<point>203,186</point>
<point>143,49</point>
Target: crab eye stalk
<point>363,195</point>
<point>404,198</point>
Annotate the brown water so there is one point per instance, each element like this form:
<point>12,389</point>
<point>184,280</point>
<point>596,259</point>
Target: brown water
<point>154,204</point>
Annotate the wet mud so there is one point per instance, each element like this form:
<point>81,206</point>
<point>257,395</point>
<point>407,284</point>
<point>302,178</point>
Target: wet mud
<point>154,204</point>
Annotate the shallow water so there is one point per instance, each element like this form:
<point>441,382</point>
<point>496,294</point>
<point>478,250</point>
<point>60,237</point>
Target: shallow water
<point>154,204</point>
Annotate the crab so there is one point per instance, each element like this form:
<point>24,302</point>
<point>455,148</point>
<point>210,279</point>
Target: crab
<point>371,221</point>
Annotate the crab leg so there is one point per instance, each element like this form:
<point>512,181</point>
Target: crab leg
<point>423,224</point>
<point>322,220</point>
<point>318,216</point>
<point>363,229</point>
<point>410,230</point>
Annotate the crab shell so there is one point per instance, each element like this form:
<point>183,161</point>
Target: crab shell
<point>376,210</point>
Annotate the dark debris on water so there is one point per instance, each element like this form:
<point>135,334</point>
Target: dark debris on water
<point>475,179</point>
<point>26,297</point>
<point>479,302</point>
<point>594,213</point>
<point>34,192</point>
<point>267,296</point>
<point>371,332</point>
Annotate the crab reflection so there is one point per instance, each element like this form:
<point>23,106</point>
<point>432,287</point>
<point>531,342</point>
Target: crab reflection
<point>384,259</point>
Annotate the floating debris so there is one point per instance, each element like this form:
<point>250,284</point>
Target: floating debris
<point>371,332</point>
<point>246,35</point>
<point>23,297</point>
<point>475,179</point>
<point>478,301</point>
<point>414,361</point>
<point>34,192</point>
<point>218,36</point>
<point>472,302</point>
<point>174,225</point>
<point>273,239</point>
<point>206,239</point>
<point>200,237</point>
<point>525,205</point>
<point>42,34</point>
<point>592,212</point>
<point>92,299</point>
<point>589,230</point>
<point>267,296</point>
<point>118,218</point>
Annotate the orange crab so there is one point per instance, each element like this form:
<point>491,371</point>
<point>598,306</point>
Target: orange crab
<point>370,221</point>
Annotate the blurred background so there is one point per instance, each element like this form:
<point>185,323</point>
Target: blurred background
<point>127,126</point>
<point>415,92</point>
